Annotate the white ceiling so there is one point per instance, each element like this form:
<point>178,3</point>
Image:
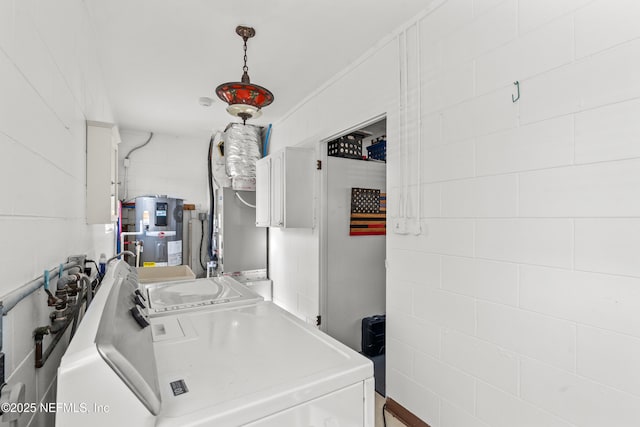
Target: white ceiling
<point>160,56</point>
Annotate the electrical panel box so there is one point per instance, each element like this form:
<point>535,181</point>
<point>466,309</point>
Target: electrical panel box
<point>284,188</point>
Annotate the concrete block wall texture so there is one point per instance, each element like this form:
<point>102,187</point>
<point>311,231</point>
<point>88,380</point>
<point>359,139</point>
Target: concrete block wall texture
<point>517,303</point>
<point>50,83</point>
<point>169,164</point>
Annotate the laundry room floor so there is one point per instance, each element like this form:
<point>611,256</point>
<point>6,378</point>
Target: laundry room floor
<point>391,420</point>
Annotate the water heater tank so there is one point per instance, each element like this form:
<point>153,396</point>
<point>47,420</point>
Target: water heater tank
<point>161,219</point>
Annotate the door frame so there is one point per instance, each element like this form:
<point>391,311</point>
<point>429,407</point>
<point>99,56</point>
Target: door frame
<point>323,299</point>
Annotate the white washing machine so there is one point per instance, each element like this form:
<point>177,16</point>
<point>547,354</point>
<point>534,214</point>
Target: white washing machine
<point>223,364</point>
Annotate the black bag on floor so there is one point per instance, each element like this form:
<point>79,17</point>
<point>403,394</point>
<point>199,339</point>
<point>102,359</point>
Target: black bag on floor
<point>373,335</point>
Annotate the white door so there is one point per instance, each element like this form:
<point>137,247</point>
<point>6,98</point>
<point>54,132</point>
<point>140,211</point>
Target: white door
<point>355,264</point>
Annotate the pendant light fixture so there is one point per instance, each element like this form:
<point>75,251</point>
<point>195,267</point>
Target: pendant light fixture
<point>244,98</point>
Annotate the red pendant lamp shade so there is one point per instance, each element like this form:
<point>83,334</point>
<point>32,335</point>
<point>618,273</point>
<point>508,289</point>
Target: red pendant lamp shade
<point>244,98</point>
<point>242,93</point>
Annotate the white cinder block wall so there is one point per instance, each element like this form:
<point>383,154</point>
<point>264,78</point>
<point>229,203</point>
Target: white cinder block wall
<point>50,83</point>
<point>518,304</point>
<point>170,165</point>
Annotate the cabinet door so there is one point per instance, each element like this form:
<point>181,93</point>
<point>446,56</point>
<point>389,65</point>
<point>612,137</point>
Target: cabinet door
<point>263,190</point>
<point>298,187</point>
<point>284,189</point>
<point>102,172</point>
<point>277,190</point>
<point>113,195</point>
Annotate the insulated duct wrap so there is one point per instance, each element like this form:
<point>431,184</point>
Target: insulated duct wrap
<point>242,144</point>
<point>218,163</point>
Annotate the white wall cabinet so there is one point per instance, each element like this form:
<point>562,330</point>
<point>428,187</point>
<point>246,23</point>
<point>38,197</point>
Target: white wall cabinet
<point>284,188</point>
<point>102,172</point>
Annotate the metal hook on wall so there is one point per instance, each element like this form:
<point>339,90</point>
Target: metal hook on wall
<point>517,84</point>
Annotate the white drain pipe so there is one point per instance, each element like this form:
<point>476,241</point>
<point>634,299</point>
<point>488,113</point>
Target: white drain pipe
<point>130,233</point>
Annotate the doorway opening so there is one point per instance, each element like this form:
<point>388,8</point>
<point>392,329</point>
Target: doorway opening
<point>353,242</point>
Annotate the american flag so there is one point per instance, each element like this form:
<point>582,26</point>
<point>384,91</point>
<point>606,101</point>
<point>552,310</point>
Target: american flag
<point>368,212</point>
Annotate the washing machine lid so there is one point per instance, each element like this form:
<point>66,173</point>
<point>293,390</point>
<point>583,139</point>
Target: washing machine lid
<point>171,297</point>
<point>236,365</point>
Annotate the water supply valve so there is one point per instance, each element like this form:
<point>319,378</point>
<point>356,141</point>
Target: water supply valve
<point>59,316</point>
<point>51,300</point>
<point>61,297</point>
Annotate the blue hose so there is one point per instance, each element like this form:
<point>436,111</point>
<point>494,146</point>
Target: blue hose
<point>266,141</point>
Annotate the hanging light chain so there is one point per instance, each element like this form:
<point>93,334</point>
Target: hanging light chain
<point>245,75</point>
<point>245,68</point>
